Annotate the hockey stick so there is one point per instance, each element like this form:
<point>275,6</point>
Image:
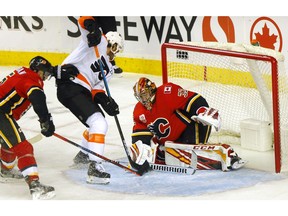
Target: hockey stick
<point>35,139</point>
<point>98,155</point>
<point>143,168</point>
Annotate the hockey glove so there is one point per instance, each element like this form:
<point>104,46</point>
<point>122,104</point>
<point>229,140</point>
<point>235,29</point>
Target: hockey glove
<point>47,126</point>
<point>107,103</point>
<point>65,72</point>
<point>94,35</point>
<point>94,38</point>
<point>208,116</point>
<point>141,153</point>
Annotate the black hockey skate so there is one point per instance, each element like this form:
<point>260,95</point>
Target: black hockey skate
<point>40,191</point>
<point>117,70</point>
<point>96,174</point>
<point>81,158</point>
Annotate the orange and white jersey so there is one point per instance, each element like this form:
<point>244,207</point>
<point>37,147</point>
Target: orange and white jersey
<point>86,59</point>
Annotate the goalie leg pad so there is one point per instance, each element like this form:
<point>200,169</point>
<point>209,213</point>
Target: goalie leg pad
<point>182,158</point>
<point>229,158</point>
<point>214,152</point>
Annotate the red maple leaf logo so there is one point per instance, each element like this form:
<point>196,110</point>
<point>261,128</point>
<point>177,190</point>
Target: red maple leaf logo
<point>265,39</point>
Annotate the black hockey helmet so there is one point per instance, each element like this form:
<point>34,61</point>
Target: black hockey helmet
<point>40,63</point>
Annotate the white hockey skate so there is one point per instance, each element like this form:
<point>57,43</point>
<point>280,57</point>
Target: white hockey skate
<point>96,174</point>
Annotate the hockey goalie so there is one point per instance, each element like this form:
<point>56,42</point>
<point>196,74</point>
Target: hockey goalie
<point>171,124</point>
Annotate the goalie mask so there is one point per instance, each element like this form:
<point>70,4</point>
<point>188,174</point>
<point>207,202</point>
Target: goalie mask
<point>115,41</point>
<point>144,92</point>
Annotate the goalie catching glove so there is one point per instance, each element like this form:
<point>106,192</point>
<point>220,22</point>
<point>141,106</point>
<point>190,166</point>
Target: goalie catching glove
<point>208,116</point>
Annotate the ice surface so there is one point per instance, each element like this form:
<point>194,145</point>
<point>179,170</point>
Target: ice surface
<point>54,158</point>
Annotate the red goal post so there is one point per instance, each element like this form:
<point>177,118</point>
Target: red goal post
<point>241,80</point>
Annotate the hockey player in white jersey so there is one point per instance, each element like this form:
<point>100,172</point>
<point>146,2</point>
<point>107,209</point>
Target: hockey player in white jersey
<point>83,95</point>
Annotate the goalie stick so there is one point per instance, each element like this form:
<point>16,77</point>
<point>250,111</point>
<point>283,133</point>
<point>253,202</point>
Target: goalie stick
<point>172,169</point>
<point>139,173</point>
<point>168,168</point>
<point>145,166</point>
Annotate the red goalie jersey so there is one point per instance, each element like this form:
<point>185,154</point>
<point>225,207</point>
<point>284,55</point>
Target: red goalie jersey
<point>169,119</point>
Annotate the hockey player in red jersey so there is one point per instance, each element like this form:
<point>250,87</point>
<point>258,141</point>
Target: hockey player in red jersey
<point>171,113</point>
<point>20,90</point>
<point>84,95</point>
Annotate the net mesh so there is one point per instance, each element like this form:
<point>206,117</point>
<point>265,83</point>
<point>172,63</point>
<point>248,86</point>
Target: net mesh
<point>241,88</point>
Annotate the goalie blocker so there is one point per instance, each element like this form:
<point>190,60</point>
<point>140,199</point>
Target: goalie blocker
<point>201,156</point>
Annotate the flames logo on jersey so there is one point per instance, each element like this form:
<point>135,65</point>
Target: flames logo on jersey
<point>160,128</point>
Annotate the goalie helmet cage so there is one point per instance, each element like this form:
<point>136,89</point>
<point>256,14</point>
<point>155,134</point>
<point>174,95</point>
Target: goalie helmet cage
<point>241,80</point>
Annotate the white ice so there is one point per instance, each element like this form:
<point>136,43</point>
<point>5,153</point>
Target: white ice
<point>54,158</point>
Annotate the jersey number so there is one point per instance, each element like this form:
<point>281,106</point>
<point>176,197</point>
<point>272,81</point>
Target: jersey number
<point>19,71</point>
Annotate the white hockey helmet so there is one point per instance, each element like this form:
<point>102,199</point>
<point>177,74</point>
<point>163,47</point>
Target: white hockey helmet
<point>115,41</point>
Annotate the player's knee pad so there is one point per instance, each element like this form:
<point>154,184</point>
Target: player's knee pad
<point>97,124</point>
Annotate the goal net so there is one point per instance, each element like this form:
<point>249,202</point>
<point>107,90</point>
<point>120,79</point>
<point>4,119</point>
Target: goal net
<point>241,81</point>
